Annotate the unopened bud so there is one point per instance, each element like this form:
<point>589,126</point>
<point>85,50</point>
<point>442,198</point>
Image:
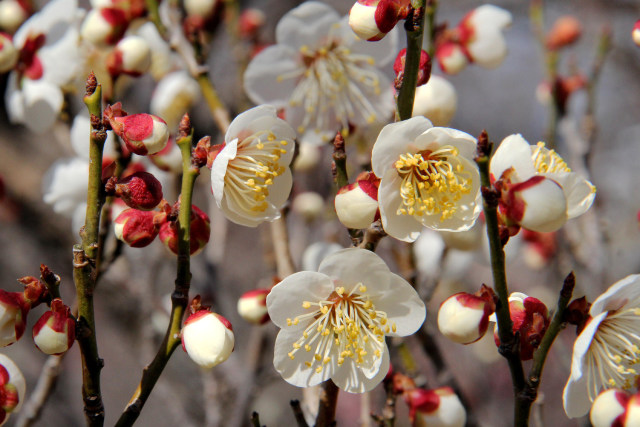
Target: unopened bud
<point>451,57</point>
<point>424,68</point>
<point>200,8</point>
<point>436,100</point>
<point>632,414</point>
<point>55,331</point>
<point>564,32</point>
<point>357,204</point>
<point>309,205</point>
<point>168,159</point>
<point>12,15</point>
<point>142,133</point>
<point>308,157</point>
<point>131,56</point>
<point>13,317</point>
<point>635,33</point>
<point>464,317</point>
<point>12,388</point>
<point>608,409</point>
<point>136,228</point>
<point>8,53</point>
<point>207,338</point>
<point>199,232</point>
<point>140,190</point>
<point>439,407</point>
<point>251,20</point>
<point>104,26</point>
<point>173,97</point>
<point>252,306</point>
<point>372,19</point>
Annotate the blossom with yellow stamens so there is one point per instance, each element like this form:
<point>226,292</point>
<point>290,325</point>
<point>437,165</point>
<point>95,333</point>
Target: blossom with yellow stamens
<point>606,354</point>
<point>334,322</point>
<point>428,178</point>
<point>322,74</point>
<point>250,176</point>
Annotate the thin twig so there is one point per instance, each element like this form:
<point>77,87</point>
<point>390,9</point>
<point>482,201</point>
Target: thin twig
<point>297,412</point>
<point>327,404</point>
<point>40,394</point>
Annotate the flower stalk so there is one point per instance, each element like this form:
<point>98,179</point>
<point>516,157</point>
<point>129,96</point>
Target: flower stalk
<point>180,295</point>
<point>414,27</point>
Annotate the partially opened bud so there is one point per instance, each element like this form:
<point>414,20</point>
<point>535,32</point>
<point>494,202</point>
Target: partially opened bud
<point>464,317</point>
<point>207,337</point>
<point>200,231</point>
<point>439,407</point>
<point>13,317</point>
<point>372,19</point>
<point>135,227</point>
<point>357,204</point>
<point>635,33</point>
<point>564,32</point>
<point>537,204</point>
<point>55,331</point>
<point>131,56</point>
<point>140,190</point>
<point>424,68</point>
<point>104,26</point>
<point>451,57</point>
<point>436,100</point>
<point>608,408</point>
<point>142,133</point>
<point>12,388</point>
<point>8,53</point>
<point>12,15</point>
<point>252,306</point>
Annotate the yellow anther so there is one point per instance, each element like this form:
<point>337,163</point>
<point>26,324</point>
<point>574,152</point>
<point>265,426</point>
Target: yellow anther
<point>363,289</point>
<point>317,356</point>
<point>307,347</point>
<point>289,323</point>
<point>306,304</point>
<point>340,290</point>
<point>319,369</point>
<point>291,355</point>
<point>308,364</point>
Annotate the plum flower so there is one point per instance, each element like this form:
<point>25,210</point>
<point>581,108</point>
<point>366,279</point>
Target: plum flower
<point>322,74</point>
<point>428,178</point>
<point>46,40</point>
<point>540,192</point>
<point>334,322</point>
<point>250,176</point>
<point>606,354</point>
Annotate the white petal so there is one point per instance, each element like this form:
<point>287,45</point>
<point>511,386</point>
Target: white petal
<point>243,125</point>
<point>621,292</point>
<point>265,78</point>
<point>579,192</point>
<point>545,207</point>
<point>47,18</point>
<point>81,135</point>
<point>219,169</point>
<point>491,16</point>
<point>351,379</point>
<point>403,306</point>
<point>352,265</point>
<point>465,143</point>
<point>514,151</point>
<point>436,100</point>
<point>42,104</point>
<point>307,24</point>
<point>65,184</point>
<point>489,48</point>
<point>395,139</point>
<point>576,397</point>
<point>402,227</point>
<point>295,371</point>
<point>280,190</point>
<point>286,298</point>
<point>14,99</point>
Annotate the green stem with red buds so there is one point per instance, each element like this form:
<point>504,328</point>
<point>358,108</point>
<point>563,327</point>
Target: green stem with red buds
<point>84,262</point>
<point>414,27</point>
<point>180,295</point>
<point>509,347</point>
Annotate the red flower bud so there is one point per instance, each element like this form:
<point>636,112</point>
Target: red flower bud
<point>200,231</point>
<point>424,68</point>
<point>140,190</point>
<point>135,227</point>
<point>142,133</point>
<point>55,331</point>
<point>565,31</point>
<point>12,388</point>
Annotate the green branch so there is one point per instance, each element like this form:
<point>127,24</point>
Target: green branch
<point>414,27</point>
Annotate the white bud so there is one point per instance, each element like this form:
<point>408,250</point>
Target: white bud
<point>12,15</point>
<point>464,318</point>
<point>14,387</point>
<point>607,407</point>
<point>8,53</point>
<point>207,338</point>
<point>203,8</point>
<point>632,417</point>
<point>635,33</point>
<point>136,55</point>
<point>309,205</point>
<point>252,306</point>
<point>452,58</point>
<point>436,100</point>
<point>308,157</point>
<point>102,28</point>
<point>363,22</point>
<point>449,413</point>
<point>357,204</point>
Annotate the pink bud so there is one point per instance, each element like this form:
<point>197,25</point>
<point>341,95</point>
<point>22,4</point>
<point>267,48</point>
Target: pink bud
<point>104,26</point>
<point>372,19</point>
<point>464,317</point>
<point>424,68</point>
<point>55,331</point>
<point>131,56</point>
<point>252,306</point>
<point>564,32</point>
<point>8,53</point>
<point>357,204</point>
<point>142,133</point>
<point>207,337</point>
<point>251,20</point>
<point>141,190</point>
<point>439,407</point>
<point>635,33</point>
<point>12,388</point>
<point>135,227</point>
<point>608,409</point>
<point>13,316</point>
<point>200,231</point>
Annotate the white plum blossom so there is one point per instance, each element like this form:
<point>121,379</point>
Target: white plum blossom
<point>322,74</point>
<point>250,176</point>
<point>334,322</point>
<point>606,354</point>
<point>428,178</point>
<point>436,100</point>
<point>47,40</point>
<point>173,96</point>
<point>540,191</point>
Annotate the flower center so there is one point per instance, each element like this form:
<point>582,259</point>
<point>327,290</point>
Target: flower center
<point>334,85</point>
<point>548,161</point>
<point>614,355</point>
<point>253,170</point>
<point>345,325</point>
<point>432,182</point>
